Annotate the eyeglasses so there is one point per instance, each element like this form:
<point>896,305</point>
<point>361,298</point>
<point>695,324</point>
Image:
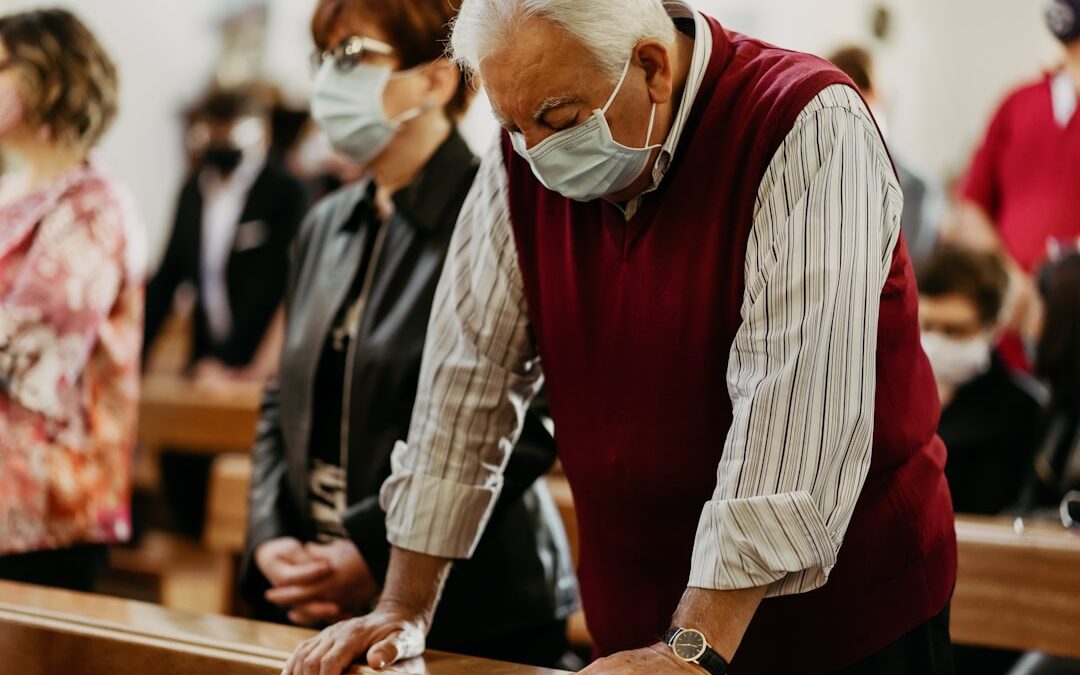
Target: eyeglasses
<point>350,52</point>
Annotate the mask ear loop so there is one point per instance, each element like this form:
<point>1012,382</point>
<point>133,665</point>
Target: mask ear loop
<point>412,113</point>
<point>652,120</point>
<point>618,86</point>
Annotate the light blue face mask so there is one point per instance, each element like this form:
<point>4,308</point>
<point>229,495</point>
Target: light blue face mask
<point>347,106</point>
<point>585,162</point>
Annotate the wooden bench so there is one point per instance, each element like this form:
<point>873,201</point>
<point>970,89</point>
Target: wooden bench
<point>178,414</point>
<point>52,632</point>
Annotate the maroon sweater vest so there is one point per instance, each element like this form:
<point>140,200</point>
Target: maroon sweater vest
<point>634,323</point>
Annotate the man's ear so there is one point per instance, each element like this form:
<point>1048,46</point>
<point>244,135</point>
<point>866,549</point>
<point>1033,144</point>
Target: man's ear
<point>655,58</point>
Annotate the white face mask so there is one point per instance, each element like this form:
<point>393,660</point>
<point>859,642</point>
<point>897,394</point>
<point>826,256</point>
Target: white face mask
<point>956,362</point>
<point>347,105</point>
<point>585,162</point>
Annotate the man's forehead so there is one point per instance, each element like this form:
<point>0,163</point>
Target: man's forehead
<point>539,72</point>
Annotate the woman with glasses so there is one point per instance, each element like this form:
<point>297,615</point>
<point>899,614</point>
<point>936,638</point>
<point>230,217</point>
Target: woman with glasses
<point>361,287</point>
<point>71,271</point>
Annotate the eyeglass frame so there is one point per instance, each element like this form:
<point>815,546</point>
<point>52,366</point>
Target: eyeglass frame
<point>350,52</point>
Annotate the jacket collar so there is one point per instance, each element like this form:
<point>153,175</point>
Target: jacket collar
<point>425,202</point>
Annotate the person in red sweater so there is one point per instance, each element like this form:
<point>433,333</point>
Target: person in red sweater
<point>1020,194</point>
<point>693,239</point>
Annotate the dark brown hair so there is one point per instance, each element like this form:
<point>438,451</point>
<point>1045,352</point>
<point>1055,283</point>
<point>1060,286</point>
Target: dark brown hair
<point>980,277</point>
<point>857,64</point>
<point>69,82</point>
<point>418,29</point>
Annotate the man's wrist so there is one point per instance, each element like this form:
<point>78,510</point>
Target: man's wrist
<point>721,616</point>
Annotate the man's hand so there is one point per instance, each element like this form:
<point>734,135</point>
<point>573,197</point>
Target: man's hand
<point>285,562</point>
<point>395,630</point>
<point>391,633</point>
<point>657,659</point>
<point>348,589</point>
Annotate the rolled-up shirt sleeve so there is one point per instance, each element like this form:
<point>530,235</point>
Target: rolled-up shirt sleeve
<point>801,374</point>
<point>479,373</point>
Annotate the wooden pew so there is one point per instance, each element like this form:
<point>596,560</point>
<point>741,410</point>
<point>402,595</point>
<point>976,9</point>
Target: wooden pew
<point>176,413</point>
<point>1018,588</point>
<point>52,632</point>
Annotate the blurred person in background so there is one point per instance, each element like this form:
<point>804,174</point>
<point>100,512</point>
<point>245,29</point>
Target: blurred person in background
<point>1057,459</point>
<point>71,307</point>
<point>1053,489</point>
<point>360,293</point>
<point>1020,193</point>
<point>989,416</point>
<point>235,219</point>
<point>924,198</point>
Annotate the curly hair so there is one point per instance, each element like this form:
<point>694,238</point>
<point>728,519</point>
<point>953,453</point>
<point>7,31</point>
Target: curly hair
<point>69,83</point>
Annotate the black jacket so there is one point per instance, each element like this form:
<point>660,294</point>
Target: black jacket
<point>521,574</point>
<point>989,429</point>
<point>256,269</point>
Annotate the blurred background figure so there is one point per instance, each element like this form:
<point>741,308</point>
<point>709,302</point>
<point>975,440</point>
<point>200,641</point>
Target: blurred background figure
<point>1057,459</point>
<point>235,220</point>
<point>71,307</point>
<point>360,293</point>
<point>924,197</point>
<point>989,416</point>
<point>1020,196</point>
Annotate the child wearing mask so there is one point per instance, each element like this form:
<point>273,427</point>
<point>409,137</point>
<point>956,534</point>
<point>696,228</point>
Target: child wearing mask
<point>989,415</point>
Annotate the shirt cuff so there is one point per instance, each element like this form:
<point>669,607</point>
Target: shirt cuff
<point>435,516</point>
<point>779,541</point>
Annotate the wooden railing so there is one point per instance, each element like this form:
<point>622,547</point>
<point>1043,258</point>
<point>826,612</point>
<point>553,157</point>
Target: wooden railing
<point>51,632</point>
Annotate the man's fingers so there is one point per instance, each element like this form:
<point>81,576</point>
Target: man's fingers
<point>313,661</point>
<point>296,659</point>
<point>385,652</point>
<point>288,596</point>
<point>302,574</point>
<point>397,646</point>
<point>337,660</point>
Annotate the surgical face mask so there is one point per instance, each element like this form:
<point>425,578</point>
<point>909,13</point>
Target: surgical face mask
<point>585,162</point>
<point>347,105</point>
<point>956,362</point>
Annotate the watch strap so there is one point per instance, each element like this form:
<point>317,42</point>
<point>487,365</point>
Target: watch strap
<point>709,660</point>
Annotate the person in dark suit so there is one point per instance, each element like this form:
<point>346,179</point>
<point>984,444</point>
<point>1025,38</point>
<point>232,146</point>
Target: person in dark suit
<point>235,221</point>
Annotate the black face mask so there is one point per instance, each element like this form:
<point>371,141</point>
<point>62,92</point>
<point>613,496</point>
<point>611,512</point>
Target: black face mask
<point>223,158</point>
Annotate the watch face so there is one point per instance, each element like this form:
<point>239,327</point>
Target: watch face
<point>689,645</point>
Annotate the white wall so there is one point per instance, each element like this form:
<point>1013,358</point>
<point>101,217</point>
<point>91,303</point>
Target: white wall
<point>946,67</point>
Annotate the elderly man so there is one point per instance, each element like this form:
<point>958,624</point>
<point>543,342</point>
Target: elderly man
<point>695,238</point>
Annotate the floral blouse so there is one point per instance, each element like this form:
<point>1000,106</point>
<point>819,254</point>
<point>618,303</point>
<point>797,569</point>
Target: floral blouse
<point>71,302</point>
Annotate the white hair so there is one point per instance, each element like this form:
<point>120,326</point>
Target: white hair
<point>608,28</point>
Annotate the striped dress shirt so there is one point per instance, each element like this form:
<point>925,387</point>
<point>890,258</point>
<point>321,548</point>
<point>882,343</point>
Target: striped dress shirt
<point>827,219</point>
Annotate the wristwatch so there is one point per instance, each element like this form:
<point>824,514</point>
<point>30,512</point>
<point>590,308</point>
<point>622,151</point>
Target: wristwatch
<point>691,646</point>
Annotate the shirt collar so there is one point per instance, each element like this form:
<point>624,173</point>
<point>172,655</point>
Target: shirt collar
<point>1064,97</point>
<point>699,62</point>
